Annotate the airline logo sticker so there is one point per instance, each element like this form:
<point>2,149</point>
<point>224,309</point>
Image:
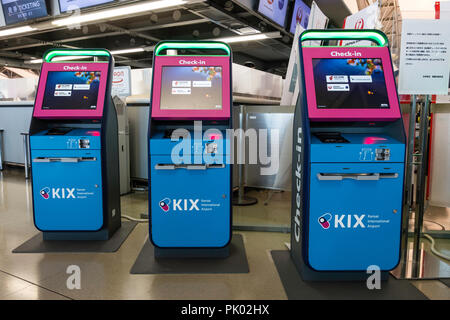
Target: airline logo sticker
<point>359,24</point>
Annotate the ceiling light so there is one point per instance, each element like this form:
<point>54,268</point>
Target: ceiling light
<point>80,57</point>
<point>133,50</point>
<point>62,58</point>
<point>252,37</point>
<point>117,12</point>
<point>17,30</point>
<point>247,31</point>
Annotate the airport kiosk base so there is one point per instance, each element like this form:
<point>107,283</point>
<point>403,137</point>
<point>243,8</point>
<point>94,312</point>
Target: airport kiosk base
<point>231,259</point>
<point>163,253</point>
<point>298,287</point>
<point>40,243</point>
<point>309,274</point>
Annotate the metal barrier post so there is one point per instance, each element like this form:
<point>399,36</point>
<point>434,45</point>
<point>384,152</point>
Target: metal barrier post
<point>421,185</point>
<point>26,148</point>
<point>1,149</point>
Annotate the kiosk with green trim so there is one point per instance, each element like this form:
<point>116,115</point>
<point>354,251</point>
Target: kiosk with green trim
<point>74,147</point>
<point>189,168</point>
<point>348,159</point>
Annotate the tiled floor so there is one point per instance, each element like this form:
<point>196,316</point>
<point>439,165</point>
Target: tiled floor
<point>106,275</point>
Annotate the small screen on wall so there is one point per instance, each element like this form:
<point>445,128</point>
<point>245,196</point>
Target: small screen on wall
<point>73,5</point>
<point>275,10</point>
<point>22,10</point>
<point>300,15</point>
<point>350,83</point>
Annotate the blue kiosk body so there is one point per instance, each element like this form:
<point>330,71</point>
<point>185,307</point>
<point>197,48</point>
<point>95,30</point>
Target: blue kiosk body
<point>348,159</point>
<point>189,168</point>
<point>74,149</point>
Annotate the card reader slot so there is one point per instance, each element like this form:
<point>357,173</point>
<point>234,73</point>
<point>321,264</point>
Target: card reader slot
<point>356,176</point>
<point>188,166</point>
<point>63,159</point>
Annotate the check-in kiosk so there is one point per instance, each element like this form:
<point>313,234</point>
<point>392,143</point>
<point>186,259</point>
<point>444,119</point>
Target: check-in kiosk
<point>189,168</point>
<point>348,159</point>
<point>74,147</point>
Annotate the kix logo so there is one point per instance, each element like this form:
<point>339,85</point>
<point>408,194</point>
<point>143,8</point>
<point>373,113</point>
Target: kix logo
<point>57,193</point>
<point>343,221</point>
<point>179,204</point>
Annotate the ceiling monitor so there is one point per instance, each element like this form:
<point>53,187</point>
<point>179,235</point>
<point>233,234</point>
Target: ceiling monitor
<point>300,15</point>
<point>16,11</point>
<point>275,10</point>
<point>73,5</point>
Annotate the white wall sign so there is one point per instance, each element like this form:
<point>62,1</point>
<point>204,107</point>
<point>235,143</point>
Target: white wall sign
<point>290,83</point>
<point>317,20</point>
<point>121,84</point>
<point>367,18</point>
<point>424,57</point>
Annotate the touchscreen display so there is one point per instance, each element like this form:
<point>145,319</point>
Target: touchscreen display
<point>191,88</point>
<point>350,83</point>
<point>71,90</point>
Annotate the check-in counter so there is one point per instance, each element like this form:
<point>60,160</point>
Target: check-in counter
<point>15,117</point>
<point>138,114</point>
<point>274,125</point>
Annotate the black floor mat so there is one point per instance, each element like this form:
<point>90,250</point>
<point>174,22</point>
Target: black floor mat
<point>235,263</point>
<point>297,289</point>
<point>38,245</point>
<point>446,282</point>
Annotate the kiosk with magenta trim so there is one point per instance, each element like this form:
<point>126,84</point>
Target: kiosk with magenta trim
<point>189,168</point>
<point>74,148</point>
<point>348,159</point>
